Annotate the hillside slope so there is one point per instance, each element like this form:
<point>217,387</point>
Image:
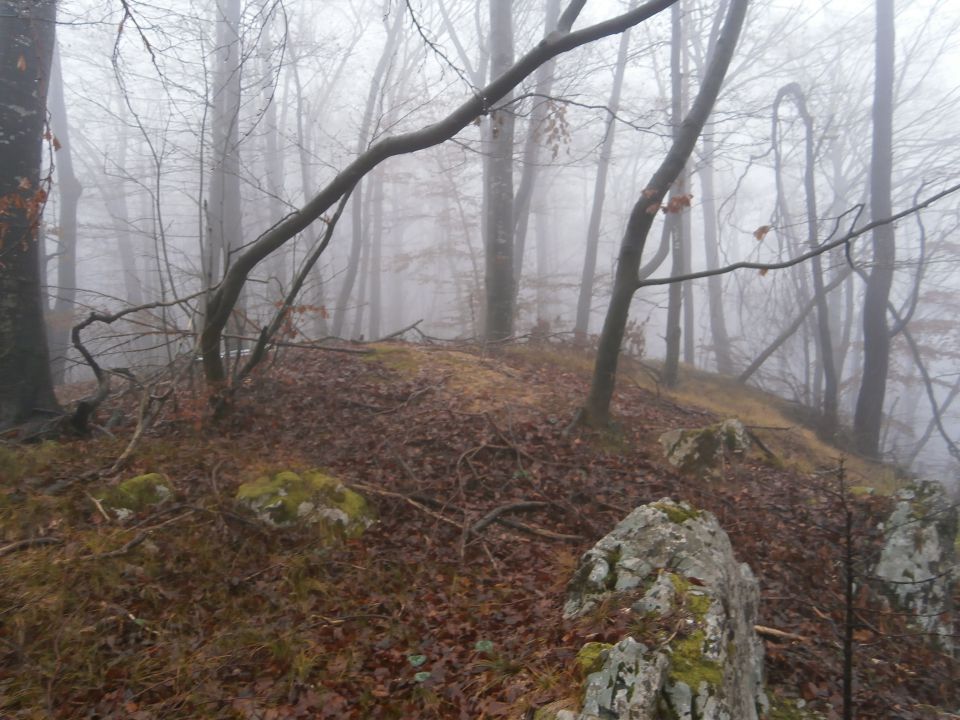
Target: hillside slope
<point>449,606</point>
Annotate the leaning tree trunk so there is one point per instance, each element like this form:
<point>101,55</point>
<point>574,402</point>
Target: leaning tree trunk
<point>60,319</point>
<point>585,297</point>
<point>868,418</point>
<point>597,408</point>
<point>27,33</point>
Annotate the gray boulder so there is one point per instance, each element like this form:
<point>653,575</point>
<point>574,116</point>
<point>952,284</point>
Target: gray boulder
<point>702,451</point>
<point>917,564</point>
<point>673,563</point>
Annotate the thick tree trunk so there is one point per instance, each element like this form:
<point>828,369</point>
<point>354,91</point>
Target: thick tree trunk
<point>499,185</point>
<point>27,33</point>
<point>60,320</point>
<point>597,409</point>
<point>868,418</point>
<point>585,299</point>
<point>224,222</point>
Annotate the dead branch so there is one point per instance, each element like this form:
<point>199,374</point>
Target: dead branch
<point>493,515</point>
<point>28,543</point>
<point>778,634</point>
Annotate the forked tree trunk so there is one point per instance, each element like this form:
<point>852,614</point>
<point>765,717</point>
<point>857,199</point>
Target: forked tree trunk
<point>597,408</point>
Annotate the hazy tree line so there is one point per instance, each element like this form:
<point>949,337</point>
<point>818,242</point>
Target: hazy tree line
<point>220,180</point>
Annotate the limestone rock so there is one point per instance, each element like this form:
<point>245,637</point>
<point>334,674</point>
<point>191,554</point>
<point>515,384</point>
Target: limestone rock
<point>702,451</point>
<point>918,557</point>
<point>136,494</point>
<point>308,499</point>
<point>666,558</point>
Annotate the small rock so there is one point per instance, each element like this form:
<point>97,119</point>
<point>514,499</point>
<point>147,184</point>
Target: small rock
<point>136,494</point>
<point>702,451</point>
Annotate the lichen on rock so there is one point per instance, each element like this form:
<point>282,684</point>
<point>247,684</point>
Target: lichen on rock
<point>311,498</point>
<point>136,494</point>
<point>918,558</point>
<point>710,666</point>
<point>701,451</point>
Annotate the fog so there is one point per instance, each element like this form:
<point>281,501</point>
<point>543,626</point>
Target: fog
<point>195,128</point>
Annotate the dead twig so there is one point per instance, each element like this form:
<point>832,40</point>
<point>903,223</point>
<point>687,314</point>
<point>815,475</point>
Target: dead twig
<point>778,634</point>
<point>28,543</point>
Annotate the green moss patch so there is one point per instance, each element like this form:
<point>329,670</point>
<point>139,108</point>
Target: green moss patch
<point>138,493</point>
<point>689,666</point>
<point>310,498</point>
<point>591,656</point>
<point>678,514</point>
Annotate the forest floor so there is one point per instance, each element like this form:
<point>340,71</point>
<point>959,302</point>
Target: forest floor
<point>194,611</point>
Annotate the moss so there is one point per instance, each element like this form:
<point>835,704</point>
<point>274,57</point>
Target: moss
<point>696,602</point>
<point>790,709</point>
<point>138,493</point>
<point>591,657</point>
<point>689,666</point>
<point>286,497</point>
<point>398,358</point>
<point>678,514</point>
<point>9,466</point>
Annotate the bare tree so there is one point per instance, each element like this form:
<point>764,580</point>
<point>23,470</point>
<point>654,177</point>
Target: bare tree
<point>597,409</point>
<point>868,418</point>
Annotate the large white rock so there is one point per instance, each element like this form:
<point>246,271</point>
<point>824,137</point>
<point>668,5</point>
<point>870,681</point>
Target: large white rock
<point>917,563</point>
<point>671,558</point>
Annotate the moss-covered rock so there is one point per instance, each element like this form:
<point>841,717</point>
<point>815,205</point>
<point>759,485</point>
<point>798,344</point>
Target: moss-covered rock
<point>701,451</point>
<point>311,498</point>
<point>789,709</point>
<point>591,656</point>
<point>137,494</point>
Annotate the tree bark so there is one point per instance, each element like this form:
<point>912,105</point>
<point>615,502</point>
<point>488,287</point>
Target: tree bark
<point>27,35</point>
<point>597,409</point>
<point>678,242</point>
<point>498,187</point>
<point>868,418</point>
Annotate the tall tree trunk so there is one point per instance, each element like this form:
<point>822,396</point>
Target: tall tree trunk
<point>711,244</point>
<point>868,418</point>
<point>499,184</point>
<point>671,363</point>
<point>27,34</point>
<point>585,298</point>
<point>60,319</point>
<point>826,361</point>
<point>224,223</point>
<point>531,149</point>
<point>356,209</point>
<point>376,255</point>
<point>597,408</point>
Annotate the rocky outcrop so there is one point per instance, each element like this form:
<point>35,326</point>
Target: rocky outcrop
<point>917,563</point>
<point>311,498</point>
<point>702,451</point>
<point>673,569</point>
